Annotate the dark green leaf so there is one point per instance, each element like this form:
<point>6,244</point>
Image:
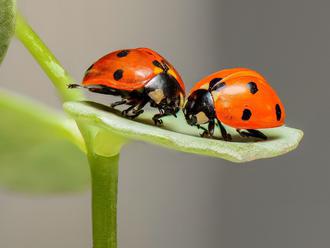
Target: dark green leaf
<point>7,25</point>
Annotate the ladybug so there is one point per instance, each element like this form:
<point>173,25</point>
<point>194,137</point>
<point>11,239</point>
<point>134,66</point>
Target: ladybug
<point>139,76</point>
<point>238,97</point>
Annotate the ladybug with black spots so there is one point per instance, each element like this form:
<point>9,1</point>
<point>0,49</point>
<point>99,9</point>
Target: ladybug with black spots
<point>238,97</point>
<point>139,76</point>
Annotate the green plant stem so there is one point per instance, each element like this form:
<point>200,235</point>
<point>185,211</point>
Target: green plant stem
<point>46,60</point>
<point>104,171</point>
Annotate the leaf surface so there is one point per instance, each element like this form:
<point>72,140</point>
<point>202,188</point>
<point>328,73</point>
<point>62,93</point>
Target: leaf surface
<point>178,135</point>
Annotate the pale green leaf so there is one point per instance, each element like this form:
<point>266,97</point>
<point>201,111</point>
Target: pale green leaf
<point>36,150</point>
<point>178,135</point>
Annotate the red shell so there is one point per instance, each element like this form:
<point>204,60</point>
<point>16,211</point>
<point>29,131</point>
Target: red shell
<point>128,69</point>
<point>246,100</point>
<point>204,83</point>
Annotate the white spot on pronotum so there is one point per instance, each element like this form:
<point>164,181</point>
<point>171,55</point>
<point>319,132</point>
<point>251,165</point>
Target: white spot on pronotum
<point>157,95</point>
<point>202,118</point>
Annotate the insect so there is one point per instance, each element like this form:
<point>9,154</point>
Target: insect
<point>238,97</point>
<point>139,76</point>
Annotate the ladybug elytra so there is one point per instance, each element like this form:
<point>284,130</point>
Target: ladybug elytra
<point>238,97</point>
<point>139,76</point>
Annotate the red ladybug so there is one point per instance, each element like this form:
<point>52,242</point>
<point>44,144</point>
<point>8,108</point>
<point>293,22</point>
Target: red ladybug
<point>139,76</point>
<point>238,97</point>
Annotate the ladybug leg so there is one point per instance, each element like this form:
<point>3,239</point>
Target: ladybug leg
<point>252,133</point>
<point>127,111</point>
<point>157,117</point>
<point>135,110</point>
<point>208,133</point>
<point>200,127</point>
<point>164,111</point>
<point>242,133</point>
<point>226,136</point>
<point>257,134</point>
<point>115,104</point>
<point>211,127</point>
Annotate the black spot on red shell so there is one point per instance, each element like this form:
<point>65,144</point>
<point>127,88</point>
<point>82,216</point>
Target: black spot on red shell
<point>214,81</point>
<point>246,115</point>
<point>157,63</point>
<point>118,74</point>
<point>278,112</point>
<point>253,87</point>
<point>219,86</point>
<point>122,53</point>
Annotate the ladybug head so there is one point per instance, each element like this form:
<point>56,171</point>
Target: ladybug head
<point>199,108</point>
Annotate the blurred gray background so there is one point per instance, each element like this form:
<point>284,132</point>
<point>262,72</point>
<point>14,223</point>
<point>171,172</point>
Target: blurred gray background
<point>170,199</point>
